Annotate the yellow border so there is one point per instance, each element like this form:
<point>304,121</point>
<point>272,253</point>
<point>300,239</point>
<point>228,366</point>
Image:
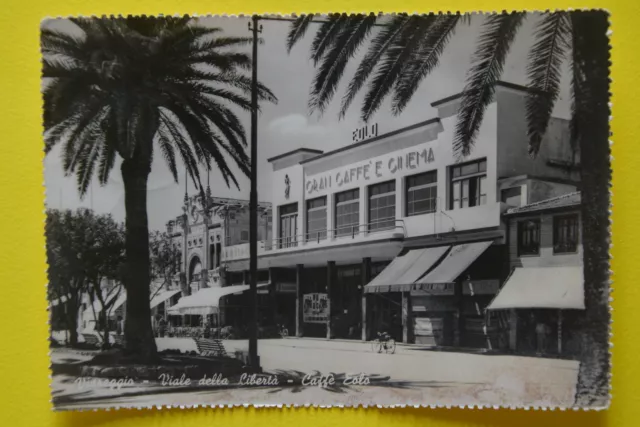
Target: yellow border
<point>24,371</point>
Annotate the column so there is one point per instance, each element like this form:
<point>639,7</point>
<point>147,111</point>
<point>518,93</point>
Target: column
<point>406,317</point>
<point>513,330</point>
<point>365,273</point>
<point>457,314</point>
<point>273,295</point>
<point>559,332</point>
<point>299,280</point>
<point>331,269</point>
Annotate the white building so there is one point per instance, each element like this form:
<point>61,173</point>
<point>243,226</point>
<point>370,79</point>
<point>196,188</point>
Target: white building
<point>397,233</point>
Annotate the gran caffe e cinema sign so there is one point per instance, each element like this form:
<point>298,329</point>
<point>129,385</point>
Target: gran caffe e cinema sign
<point>373,169</point>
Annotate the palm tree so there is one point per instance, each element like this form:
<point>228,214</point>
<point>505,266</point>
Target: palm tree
<point>128,86</point>
<point>406,48</point>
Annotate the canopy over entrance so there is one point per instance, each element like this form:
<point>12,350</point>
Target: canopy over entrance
<point>542,287</point>
<point>422,269</point>
<point>404,270</point>
<point>207,300</point>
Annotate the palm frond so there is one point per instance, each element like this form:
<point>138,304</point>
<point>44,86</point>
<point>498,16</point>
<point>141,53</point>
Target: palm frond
<point>107,161</point>
<point>378,48</point>
<point>424,60</point>
<point>552,36</point>
<point>393,62</point>
<point>336,58</point>
<point>298,29</point>
<point>488,62</point>
<point>327,34</point>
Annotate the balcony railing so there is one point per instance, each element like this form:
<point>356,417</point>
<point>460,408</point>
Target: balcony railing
<point>347,232</point>
<point>343,233</point>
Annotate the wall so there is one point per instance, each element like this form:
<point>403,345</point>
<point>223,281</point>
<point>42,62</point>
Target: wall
<point>546,258</point>
<point>513,145</point>
<point>415,151</point>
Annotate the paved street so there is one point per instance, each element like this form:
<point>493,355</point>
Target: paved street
<point>417,376</point>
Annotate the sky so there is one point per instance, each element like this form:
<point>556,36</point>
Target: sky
<point>288,125</point>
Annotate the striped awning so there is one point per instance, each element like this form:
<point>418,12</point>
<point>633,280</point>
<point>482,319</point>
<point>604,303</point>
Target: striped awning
<point>403,272</point>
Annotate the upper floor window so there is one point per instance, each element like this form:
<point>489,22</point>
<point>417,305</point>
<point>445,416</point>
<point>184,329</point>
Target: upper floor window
<point>422,193</point>
<point>382,206</point>
<point>529,237</point>
<point>317,219</point>
<point>347,212</point>
<point>565,234</point>
<point>468,184</point>
<point>244,235</point>
<point>288,225</point>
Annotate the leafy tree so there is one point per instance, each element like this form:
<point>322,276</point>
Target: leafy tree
<point>165,259</point>
<point>82,249</point>
<point>402,52</point>
<point>127,87</point>
<point>103,260</point>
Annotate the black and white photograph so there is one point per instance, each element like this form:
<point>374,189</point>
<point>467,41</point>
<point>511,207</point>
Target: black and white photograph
<point>328,210</point>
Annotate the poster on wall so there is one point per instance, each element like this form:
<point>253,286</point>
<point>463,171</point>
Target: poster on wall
<point>315,308</point>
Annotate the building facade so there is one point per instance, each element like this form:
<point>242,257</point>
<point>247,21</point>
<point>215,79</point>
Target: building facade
<point>399,234</point>
<point>544,292</point>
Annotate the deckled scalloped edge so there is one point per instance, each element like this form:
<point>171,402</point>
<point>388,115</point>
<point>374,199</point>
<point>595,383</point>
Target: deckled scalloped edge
<point>379,406</point>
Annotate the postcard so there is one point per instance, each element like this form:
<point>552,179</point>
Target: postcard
<point>328,210</point>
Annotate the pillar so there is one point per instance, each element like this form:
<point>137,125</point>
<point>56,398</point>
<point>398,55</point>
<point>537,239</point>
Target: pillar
<point>299,279</point>
<point>273,295</point>
<point>457,314</point>
<point>406,317</point>
<point>559,332</point>
<point>331,270</point>
<point>513,330</point>
<point>365,273</point>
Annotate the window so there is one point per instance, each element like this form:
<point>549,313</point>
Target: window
<point>347,212</point>
<point>468,184</point>
<point>529,237</point>
<point>422,193</point>
<point>244,235</point>
<point>512,196</point>
<point>288,225</point>
<point>218,254</point>
<point>382,206</point>
<point>565,234</point>
<point>317,219</point>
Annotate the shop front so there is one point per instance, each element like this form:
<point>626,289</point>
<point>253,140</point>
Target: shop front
<point>540,304</point>
<point>440,295</point>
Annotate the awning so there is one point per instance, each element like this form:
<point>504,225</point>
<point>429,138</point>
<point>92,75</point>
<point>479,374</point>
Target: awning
<point>162,296</point>
<point>404,270</point>
<point>207,300</point>
<point>459,258</point>
<point>542,287</point>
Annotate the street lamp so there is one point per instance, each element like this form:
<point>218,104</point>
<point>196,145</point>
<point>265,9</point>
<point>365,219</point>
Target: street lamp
<point>254,360</point>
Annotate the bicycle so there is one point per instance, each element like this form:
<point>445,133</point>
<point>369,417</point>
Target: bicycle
<point>284,332</point>
<point>384,342</point>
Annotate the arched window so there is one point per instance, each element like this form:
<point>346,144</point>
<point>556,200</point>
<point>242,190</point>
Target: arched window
<point>195,269</point>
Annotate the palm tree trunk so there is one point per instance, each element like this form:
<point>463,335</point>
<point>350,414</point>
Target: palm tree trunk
<point>592,51</point>
<point>138,332</point>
